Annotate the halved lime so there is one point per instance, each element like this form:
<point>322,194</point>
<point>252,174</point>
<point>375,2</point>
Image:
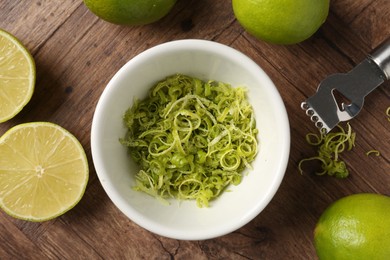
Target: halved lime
<point>17,76</point>
<point>43,171</point>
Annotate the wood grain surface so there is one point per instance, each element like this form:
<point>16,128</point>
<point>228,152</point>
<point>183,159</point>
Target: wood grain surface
<point>76,54</point>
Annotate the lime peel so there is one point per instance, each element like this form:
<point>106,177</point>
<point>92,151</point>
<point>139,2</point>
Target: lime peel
<point>373,152</point>
<point>191,138</point>
<point>330,146</point>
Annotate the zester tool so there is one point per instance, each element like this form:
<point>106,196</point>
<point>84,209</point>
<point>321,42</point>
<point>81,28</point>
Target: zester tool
<point>340,96</point>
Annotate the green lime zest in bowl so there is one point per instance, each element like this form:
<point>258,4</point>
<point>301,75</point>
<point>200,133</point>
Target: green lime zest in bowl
<point>191,138</point>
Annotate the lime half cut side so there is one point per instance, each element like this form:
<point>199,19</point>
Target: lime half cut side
<point>43,171</point>
<point>17,76</point>
<point>281,21</point>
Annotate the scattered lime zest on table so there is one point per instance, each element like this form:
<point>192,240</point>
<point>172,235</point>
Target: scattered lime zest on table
<point>330,146</point>
<point>388,113</point>
<point>191,138</point>
<point>373,152</point>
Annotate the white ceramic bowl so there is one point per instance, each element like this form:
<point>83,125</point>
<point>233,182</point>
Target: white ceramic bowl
<point>184,220</point>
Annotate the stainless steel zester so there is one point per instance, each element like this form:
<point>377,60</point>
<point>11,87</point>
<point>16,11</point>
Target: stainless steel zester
<point>340,96</point>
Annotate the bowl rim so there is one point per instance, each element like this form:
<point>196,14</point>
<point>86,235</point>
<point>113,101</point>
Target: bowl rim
<point>136,217</point>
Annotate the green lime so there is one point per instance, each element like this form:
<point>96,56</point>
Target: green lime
<point>43,171</point>
<point>281,21</point>
<point>17,76</point>
<point>355,227</point>
<point>130,12</point>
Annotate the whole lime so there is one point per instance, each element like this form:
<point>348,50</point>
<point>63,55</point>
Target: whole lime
<point>281,21</point>
<point>355,227</point>
<point>130,12</point>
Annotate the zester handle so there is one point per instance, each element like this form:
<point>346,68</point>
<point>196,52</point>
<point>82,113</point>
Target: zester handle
<point>381,56</point>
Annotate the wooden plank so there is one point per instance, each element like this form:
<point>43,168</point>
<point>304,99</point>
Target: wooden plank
<point>14,243</point>
<point>370,19</point>
<point>77,54</point>
<point>43,16</point>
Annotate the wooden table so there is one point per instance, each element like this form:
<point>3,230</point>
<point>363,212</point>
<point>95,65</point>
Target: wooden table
<point>76,55</point>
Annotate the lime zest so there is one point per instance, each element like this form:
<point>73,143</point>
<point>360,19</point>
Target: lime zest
<point>191,138</point>
<point>330,146</point>
<point>373,152</point>
<point>388,113</point>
